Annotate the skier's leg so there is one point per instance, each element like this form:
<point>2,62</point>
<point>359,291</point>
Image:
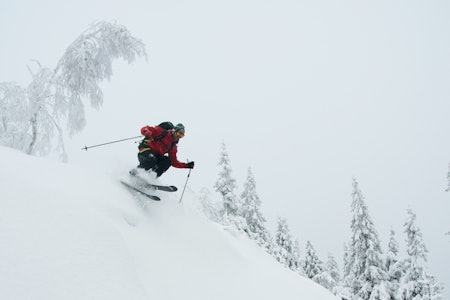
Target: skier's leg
<point>164,163</point>
<point>147,160</point>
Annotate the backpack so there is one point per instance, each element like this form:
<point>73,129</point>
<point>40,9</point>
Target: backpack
<point>166,125</point>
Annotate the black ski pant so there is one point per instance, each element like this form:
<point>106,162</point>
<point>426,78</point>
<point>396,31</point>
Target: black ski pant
<point>157,163</point>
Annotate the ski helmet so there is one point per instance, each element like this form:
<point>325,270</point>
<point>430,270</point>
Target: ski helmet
<point>179,128</point>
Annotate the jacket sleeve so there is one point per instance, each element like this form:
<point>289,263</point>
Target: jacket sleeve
<point>147,131</point>
<point>173,157</point>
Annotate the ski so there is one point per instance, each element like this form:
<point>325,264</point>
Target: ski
<point>145,184</point>
<point>153,197</point>
<point>165,188</point>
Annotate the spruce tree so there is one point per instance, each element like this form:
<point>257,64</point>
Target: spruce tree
<point>285,251</point>
<point>226,185</point>
<point>416,249</point>
<point>333,269</point>
<point>416,283</point>
<point>347,275</point>
<point>314,268</point>
<point>393,264</point>
<point>345,292</point>
<point>251,212</point>
<point>365,264</point>
<point>311,263</point>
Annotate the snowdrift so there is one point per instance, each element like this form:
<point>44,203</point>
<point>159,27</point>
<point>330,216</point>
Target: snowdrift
<point>72,233</point>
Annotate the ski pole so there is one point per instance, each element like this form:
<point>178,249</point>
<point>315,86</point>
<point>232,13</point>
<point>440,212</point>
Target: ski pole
<point>88,147</point>
<point>189,174</point>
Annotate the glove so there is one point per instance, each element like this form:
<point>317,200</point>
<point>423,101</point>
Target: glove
<point>145,131</point>
<point>190,165</point>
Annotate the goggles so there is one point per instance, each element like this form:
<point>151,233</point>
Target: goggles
<point>180,134</point>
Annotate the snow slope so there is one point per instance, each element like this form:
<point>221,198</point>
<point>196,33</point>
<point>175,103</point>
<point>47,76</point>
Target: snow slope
<point>72,233</point>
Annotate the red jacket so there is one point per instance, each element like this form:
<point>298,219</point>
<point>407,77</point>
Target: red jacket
<point>161,146</point>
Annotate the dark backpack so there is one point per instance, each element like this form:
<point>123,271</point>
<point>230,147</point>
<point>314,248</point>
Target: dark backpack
<point>166,125</point>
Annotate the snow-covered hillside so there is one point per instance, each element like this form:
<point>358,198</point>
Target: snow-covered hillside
<point>72,233</point>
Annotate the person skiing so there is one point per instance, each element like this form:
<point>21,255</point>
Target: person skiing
<point>159,141</point>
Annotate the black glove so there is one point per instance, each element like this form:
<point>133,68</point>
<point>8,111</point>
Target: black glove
<point>190,165</point>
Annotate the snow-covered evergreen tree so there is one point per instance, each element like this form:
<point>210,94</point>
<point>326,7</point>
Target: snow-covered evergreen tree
<point>331,266</point>
<point>346,274</point>
<point>416,249</point>
<point>365,264</point>
<point>393,264</point>
<point>251,212</point>
<point>55,96</point>
<point>297,265</point>
<point>416,283</point>
<point>381,291</point>
<point>314,268</point>
<point>433,288</point>
<point>226,185</point>
<point>344,291</point>
<point>285,250</point>
<point>311,263</point>
<point>392,253</point>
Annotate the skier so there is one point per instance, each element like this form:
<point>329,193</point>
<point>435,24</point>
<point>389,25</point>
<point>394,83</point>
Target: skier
<point>157,143</point>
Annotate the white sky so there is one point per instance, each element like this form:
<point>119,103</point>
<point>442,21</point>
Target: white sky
<point>309,94</point>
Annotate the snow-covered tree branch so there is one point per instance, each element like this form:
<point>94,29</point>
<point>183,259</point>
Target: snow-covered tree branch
<point>87,62</point>
<point>31,117</point>
<point>14,109</point>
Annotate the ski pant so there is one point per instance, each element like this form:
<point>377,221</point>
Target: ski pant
<point>157,163</point>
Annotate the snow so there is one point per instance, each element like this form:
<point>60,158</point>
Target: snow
<point>76,233</point>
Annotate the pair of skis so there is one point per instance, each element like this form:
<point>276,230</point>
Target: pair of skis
<point>165,188</point>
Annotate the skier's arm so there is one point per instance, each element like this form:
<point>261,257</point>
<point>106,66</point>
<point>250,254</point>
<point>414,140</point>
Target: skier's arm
<point>175,162</point>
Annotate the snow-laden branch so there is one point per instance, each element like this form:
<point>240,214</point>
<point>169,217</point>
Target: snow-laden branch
<point>30,118</point>
<point>87,62</point>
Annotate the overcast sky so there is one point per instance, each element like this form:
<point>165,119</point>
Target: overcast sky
<point>309,94</point>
